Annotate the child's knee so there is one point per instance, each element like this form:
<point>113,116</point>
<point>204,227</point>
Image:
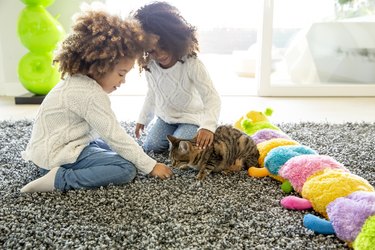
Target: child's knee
<point>132,172</point>
<point>187,132</point>
<point>155,147</point>
<point>129,173</point>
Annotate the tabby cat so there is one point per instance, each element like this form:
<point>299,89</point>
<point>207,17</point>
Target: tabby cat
<point>231,151</point>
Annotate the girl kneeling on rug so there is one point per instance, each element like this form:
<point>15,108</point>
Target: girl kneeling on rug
<point>181,95</point>
<point>65,143</point>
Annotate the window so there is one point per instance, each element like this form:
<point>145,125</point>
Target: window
<point>317,48</point>
<point>227,33</point>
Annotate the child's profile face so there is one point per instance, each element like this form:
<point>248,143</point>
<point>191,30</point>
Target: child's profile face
<point>113,79</point>
<point>163,57</point>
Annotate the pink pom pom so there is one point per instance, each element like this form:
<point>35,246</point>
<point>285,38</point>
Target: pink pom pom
<point>299,168</point>
<point>295,203</point>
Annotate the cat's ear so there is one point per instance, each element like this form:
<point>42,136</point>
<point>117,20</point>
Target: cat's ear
<point>183,147</point>
<point>171,139</point>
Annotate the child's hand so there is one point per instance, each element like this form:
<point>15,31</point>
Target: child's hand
<point>139,129</point>
<point>205,138</point>
<point>162,171</point>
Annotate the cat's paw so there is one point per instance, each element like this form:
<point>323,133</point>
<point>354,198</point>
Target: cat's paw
<point>226,172</point>
<point>184,167</point>
<point>201,175</point>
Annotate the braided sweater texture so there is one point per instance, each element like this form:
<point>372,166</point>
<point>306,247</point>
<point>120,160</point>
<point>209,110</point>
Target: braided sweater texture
<point>183,93</point>
<point>74,113</point>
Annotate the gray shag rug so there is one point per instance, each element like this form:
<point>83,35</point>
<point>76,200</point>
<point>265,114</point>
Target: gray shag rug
<point>225,212</point>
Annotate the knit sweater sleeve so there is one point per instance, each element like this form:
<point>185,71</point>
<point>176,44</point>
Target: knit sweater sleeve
<point>210,97</point>
<point>102,120</point>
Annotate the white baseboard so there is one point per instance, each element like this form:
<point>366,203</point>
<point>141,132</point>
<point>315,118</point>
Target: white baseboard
<point>12,89</point>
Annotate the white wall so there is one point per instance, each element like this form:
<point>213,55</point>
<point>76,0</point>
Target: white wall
<point>11,49</point>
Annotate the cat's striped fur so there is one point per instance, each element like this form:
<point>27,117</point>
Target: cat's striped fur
<point>231,151</point>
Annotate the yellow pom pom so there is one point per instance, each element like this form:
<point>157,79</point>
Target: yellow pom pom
<point>267,146</point>
<point>327,185</point>
<point>238,125</point>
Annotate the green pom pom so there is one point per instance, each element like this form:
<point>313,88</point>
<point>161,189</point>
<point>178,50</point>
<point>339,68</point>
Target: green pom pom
<point>366,238</point>
<point>286,187</point>
<point>268,111</point>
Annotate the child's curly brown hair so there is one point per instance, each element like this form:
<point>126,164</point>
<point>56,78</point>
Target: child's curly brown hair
<point>176,35</point>
<point>98,41</point>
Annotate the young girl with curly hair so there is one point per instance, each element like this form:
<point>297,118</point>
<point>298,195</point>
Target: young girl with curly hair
<point>94,60</point>
<point>180,91</point>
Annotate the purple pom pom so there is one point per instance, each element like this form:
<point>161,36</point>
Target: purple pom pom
<point>348,214</point>
<point>267,134</point>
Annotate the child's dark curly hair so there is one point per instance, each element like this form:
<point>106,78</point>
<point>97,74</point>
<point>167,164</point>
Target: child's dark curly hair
<point>97,42</point>
<point>176,35</point>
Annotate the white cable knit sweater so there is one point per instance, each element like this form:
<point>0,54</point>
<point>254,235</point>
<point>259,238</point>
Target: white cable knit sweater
<point>183,93</point>
<point>74,113</point>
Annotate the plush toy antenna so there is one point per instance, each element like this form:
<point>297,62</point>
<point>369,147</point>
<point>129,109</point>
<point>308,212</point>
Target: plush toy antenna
<point>268,112</point>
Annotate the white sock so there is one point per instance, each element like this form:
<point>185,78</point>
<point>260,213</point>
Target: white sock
<point>45,183</point>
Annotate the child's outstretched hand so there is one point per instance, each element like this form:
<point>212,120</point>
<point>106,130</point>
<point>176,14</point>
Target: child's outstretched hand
<point>204,138</point>
<point>138,130</point>
<point>162,171</point>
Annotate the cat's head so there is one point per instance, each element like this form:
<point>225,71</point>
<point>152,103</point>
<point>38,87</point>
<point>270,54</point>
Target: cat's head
<point>180,150</point>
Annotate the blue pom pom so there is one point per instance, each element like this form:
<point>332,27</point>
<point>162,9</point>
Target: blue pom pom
<point>278,156</point>
<point>318,225</point>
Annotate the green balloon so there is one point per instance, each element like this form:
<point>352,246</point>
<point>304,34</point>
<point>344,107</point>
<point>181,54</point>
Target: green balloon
<point>38,30</point>
<point>37,74</point>
<point>44,3</point>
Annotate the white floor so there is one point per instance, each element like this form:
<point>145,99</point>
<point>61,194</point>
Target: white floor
<point>286,109</point>
<point>238,97</point>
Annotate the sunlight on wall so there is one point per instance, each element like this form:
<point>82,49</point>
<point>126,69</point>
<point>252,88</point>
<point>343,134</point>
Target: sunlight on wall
<point>300,13</point>
<point>205,14</point>
<point>223,26</point>
<point>238,13</point>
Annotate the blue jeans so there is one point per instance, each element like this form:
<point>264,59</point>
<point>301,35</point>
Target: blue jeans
<point>156,139</point>
<point>96,166</point>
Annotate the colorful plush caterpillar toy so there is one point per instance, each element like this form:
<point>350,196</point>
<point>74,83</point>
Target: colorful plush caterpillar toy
<point>345,200</point>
